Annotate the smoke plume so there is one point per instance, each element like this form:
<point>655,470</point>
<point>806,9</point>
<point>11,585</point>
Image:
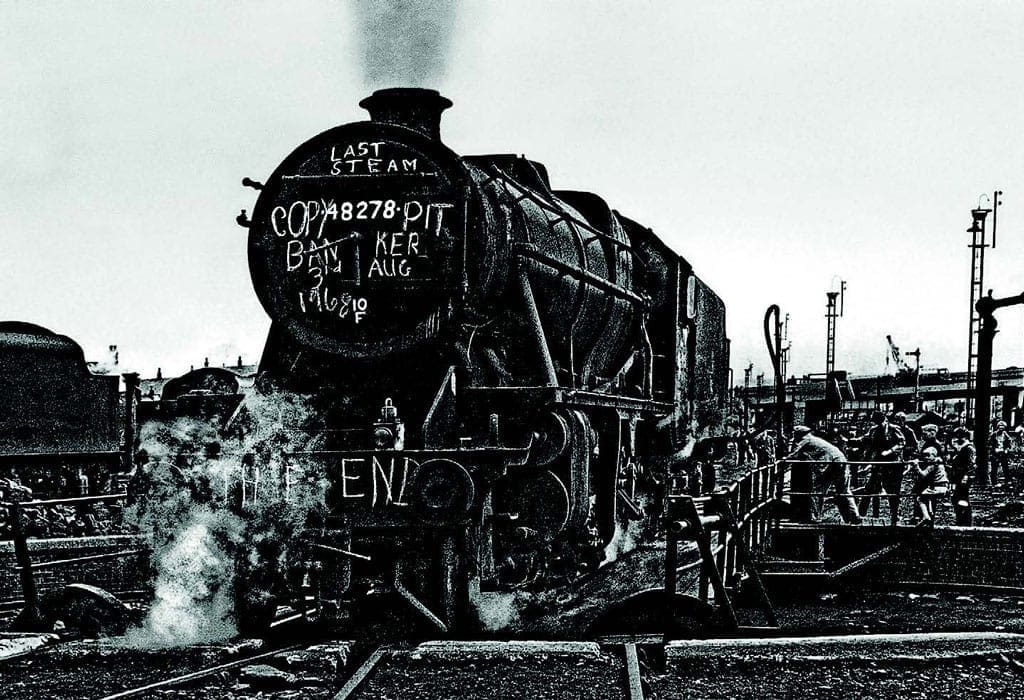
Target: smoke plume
<point>219,506</point>
<point>497,611</point>
<point>195,582</point>
<point>405,42</point>
<point>623,541</point>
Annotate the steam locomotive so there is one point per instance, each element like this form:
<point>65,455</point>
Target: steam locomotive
<point>500,372</point>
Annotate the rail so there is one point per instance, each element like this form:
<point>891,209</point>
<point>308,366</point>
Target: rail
<point>734,527</point>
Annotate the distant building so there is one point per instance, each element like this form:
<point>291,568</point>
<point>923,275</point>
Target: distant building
<point>811,398</point>
<point>152,388</point>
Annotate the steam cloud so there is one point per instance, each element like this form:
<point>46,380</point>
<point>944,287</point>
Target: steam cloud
<point>208,550</point>
<point>194,601</point>
<point>405,42</point>
<point>497,611</point>
<point>623,541</point>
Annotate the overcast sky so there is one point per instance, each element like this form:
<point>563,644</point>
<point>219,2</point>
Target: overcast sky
<point>775,145</point>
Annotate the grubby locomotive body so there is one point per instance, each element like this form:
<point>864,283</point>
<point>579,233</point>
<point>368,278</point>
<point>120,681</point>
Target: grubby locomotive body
<point>499,372</point>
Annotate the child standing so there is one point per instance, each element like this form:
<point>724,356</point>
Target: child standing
<point>930,481</point>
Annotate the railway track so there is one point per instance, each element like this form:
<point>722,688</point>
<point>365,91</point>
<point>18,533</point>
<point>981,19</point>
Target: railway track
<point>614,669</point>
<point>141,690</point>
<point>362,670</point>
<point>377,670</point>
<point>215,674</point>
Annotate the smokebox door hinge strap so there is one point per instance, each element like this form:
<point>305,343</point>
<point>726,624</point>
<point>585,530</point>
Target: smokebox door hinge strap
<point>438,426</point>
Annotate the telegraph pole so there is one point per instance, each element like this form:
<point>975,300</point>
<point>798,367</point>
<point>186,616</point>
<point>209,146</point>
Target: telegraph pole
<point>746,397</point>
<point>784,358</point>
<point>830,336</point>
<point>978,245</point>
<point>831,314</point>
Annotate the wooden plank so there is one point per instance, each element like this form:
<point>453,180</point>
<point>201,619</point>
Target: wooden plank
<point>361,673</point>
<point>637,639</point>
<point>856,647</point>
<point>636,689</point>
<point>981,588</point>
<point>858,563</point>
<point>492,648</point>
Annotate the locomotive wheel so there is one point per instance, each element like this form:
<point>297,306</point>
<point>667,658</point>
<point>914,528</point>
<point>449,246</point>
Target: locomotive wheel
<point>686,617</point>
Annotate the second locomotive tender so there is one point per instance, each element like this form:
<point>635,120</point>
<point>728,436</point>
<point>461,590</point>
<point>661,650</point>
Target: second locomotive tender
<point>499,371</point>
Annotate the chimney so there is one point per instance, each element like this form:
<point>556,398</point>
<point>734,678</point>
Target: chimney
<point>206,362</point>
<point>159,374</point>
<point>418,109</point>
<point>239,362</point>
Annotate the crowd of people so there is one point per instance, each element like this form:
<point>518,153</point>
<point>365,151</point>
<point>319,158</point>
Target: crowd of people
<point>62,519</point>
<point>857,467</point>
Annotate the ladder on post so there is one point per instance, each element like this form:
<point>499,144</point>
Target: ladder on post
<point>978,245</point>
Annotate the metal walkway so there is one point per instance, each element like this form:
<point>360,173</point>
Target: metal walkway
<point>753,537</point>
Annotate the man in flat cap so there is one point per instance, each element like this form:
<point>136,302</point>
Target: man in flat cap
<point>999,444</point>
<point>829,471</point>
<point>961,473</point>
<point>899,419</point>
<point>882,445</point>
